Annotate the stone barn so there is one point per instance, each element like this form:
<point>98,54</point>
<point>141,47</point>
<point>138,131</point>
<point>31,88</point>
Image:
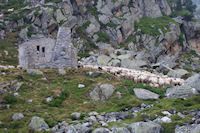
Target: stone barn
<point>49,53</point>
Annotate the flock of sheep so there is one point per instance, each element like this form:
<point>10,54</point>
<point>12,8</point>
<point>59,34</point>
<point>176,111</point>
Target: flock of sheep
<point>139,76</point>
<point>9,10</point>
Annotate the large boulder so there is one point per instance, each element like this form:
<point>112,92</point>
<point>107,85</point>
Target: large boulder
<point>17,116</point>
<point>192,31</point>
<point>64,127</point>
<point>82,128</point>
<point>102,92</point>
<point>93,28</point>
<point>163,4</point>
<point>103,60</point>
<point>105,7</point>
<point>145,127</point>
<point>194,82</point>
<point>145,94</point>
<point>2,34</point>
<point>34,72</point>
<point>188,129</point>
<point>133,64</point>
<point>38,124</point>
<point>191,87</point>
<point>120,130</point>
<point>59,16</point>
<point>76,115</point>
<point>181,91</point>
<point>104,19</point>
<point>115,63</point>
<point>101,130</point>
<point>23,34</point>
<point>150,8</point>
<point>178,73</point>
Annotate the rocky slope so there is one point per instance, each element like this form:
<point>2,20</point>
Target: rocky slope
<point>159,36</point>
<point>86,100</point>
<point>145,32</point>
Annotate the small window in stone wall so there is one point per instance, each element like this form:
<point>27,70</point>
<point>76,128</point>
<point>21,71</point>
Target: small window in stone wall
<point>38,48</point>
<point>43,51</point>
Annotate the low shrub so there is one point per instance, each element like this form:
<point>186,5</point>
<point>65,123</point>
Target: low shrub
<point>57,101</point>
<point>103,37</point>
<point>10,99</point>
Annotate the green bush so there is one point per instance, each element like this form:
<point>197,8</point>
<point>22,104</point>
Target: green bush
<point>2,27</point>
<point>131,85</point>
<point>30,31</point>
<point>103,37</point>
<point>83,55</point>
<point>15,125</point>
<point>53,1</point>
<point>16,4</point>
<point>93,11</point>
<point>168,127</point>
<point>57,101</point>
<point>151,26</point>
<point>10,99</point>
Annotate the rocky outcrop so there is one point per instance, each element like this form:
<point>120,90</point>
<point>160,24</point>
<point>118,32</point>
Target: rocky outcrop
<point>2,34</point>
<point>38,124</point>
<point>195,128</point>
<point>192,31</point>
<point>145,94</point>
<point>102,92</point>
<point>17,116</point>
<point>189,88</point>
<point>101,130</point>
<point>145,127</point>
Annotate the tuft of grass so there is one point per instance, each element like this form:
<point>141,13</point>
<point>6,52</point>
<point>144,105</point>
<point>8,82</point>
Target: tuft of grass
<point>131,85</point>
<point>103,37</point>
<point>57,101</point>
<point>93,11</point>
<point>10,99</point>
<point>151,26</point>
<point>53,1</point>
<point>11,58</point>
<point>83,55</point>
<point>74,99</point>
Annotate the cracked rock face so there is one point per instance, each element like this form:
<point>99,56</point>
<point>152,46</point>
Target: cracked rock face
<point>189,88</point>
<point>102,92</point>
<point>145,94</point>
<point>145,127</point>
<point>38,124</point>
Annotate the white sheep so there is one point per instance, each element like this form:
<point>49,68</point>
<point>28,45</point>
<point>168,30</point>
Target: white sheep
<point>139,76</point>
<point>1,15</point>
<point>11,10</point>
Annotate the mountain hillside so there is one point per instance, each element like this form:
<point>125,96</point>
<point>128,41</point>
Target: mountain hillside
<point>99,66</point>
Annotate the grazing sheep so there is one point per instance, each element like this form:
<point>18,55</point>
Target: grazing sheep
<point>1,15</point>
<point>161,82</point>
<point>139,76</point>
<point>11,10</point>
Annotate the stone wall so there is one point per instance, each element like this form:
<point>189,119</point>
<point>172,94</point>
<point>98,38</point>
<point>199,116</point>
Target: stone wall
<point>36,51</point>
<point>46,52</point>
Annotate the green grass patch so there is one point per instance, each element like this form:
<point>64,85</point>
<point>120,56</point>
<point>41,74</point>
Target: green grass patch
<point>53,1</point>
<point>10,99</point>
<point>73,99</point>
<point>11,58</point>
<point>103,37</point>
<point>151,26</point>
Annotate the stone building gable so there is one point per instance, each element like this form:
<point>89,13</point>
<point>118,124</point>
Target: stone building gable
<point>65,54</point>
<point>47,52</point>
